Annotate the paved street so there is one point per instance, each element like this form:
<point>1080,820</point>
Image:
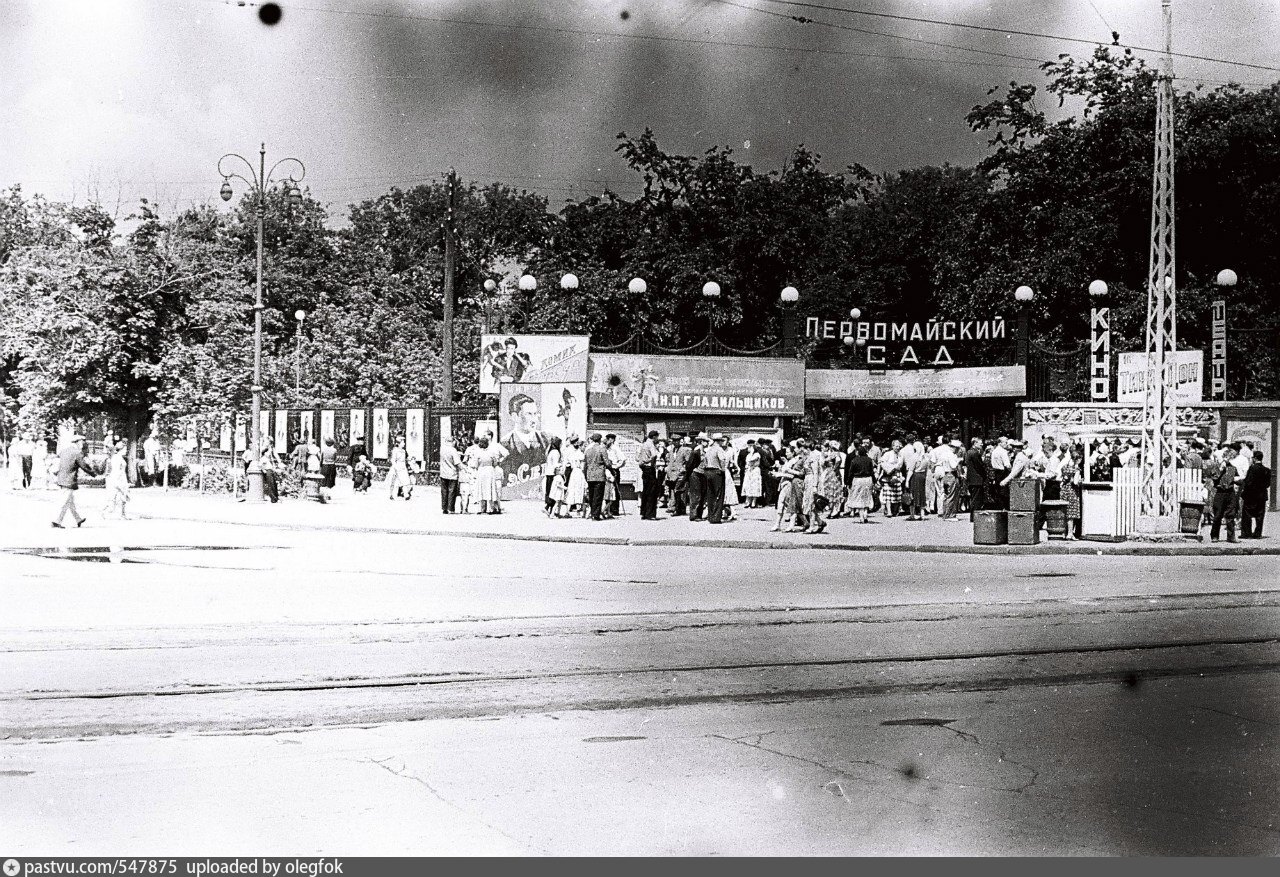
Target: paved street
<point>224,688</point>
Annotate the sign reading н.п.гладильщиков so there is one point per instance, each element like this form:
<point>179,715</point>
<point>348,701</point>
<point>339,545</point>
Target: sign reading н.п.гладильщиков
<point>695,384</point>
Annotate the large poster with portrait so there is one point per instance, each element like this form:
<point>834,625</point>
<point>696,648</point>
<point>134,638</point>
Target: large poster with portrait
<point>529,415</point>
<point>381,434</point>
<point>414,436</point>
<point>532,359</point>
<point>282,431</point>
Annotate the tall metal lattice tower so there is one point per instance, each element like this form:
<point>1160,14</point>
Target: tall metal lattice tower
<point>1159,410</point>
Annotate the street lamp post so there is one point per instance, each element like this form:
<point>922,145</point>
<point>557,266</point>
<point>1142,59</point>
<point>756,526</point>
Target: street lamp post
<point>1023,295</point>
<point>259,181</point>
<point>788,297</point>
<point>1218,382</point>
<point>299,315</point>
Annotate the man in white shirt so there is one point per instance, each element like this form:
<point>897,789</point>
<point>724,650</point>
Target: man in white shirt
<point>1000,467</point>
<point>450,462</point>
<point>151,458</point>
<point>1048,464</point>
<point>947,460</point>
<point>616,460</point>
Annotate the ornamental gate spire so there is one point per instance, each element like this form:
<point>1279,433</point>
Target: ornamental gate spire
<point>1159,410</point>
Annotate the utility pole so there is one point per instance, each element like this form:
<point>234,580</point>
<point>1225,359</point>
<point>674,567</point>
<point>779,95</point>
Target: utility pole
<point>450,256</point>
<point>1159,508</point>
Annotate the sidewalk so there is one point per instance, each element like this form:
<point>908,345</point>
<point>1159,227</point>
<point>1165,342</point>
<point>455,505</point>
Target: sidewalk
<point>25,516</point>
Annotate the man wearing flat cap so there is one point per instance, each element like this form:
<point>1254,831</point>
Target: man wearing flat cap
<point>71,463</point>
<point>716,463</point>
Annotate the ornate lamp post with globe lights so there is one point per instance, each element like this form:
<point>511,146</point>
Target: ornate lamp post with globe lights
<point>300,315</point>
<point>258,182</point>
<point>788,298</point>
<point>1218,352</point>
<point>1024,295</point>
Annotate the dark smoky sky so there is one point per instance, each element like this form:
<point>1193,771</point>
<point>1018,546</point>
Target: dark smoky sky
<point>117,99</point>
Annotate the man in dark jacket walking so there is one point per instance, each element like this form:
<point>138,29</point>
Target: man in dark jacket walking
<point>71,463</point>
<point>975,478</point>
<point>696,478</point>
<point>1253,498</point>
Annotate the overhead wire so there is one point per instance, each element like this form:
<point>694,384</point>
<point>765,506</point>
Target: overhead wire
<point>637,36</point>
<point>805,4</point>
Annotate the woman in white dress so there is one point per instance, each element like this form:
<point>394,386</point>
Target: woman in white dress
<point>730,492</point>
<point>576,483</point>
<point>398,477</point>
<point>753,480</point>
<point>489,459</point>
<point>117,484</point>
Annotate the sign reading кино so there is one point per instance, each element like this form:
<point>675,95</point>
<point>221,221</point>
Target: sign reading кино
<point>902,343</point>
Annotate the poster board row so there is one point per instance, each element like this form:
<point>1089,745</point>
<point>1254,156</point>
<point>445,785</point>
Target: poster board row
<point>275,429</point>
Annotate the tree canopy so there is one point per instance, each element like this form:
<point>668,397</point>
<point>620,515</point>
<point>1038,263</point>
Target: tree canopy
<point>157,323</point>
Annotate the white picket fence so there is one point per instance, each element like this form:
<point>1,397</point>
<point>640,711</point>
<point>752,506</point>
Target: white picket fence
<point>1127,484</point>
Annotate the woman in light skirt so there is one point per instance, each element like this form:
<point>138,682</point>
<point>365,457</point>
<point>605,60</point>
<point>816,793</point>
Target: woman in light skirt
<point>117,484</point>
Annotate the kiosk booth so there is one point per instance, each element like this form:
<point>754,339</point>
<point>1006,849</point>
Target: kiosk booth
<point>1109,509</point>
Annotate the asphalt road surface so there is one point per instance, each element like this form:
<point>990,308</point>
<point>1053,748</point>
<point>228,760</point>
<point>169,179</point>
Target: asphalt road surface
<point>207,689</point>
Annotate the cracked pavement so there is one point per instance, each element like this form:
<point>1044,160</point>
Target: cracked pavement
<point>322,693</point>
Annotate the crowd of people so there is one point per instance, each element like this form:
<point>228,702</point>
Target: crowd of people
<point>810,482</point>
<point>705,477</point>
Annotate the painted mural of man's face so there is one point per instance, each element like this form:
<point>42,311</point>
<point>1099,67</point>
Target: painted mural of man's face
<point>530,417</point>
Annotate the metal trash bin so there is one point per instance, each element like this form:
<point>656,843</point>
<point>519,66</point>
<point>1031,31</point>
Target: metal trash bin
<point>1055,516</point>
<point>1024,494</point>
<point>990,528</point>
<point>311,482</point>
<point>1190,515</point>
<point>1022,529</point>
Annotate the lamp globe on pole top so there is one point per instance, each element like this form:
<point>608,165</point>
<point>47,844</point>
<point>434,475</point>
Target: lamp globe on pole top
<point>295,195</point>
<point>638,286</point>
<point>1098,288</point>
<point>300,315</point>
<point>569,282</point>
<point>490,285</point>
<point>1227,277</point>
<point>528,283</point>
<point>855,313</point>
<point>849,341</point>
<point>711,289</point>
<point>225,191</point>
<point>790,294</point>
<point>1024,294</point>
